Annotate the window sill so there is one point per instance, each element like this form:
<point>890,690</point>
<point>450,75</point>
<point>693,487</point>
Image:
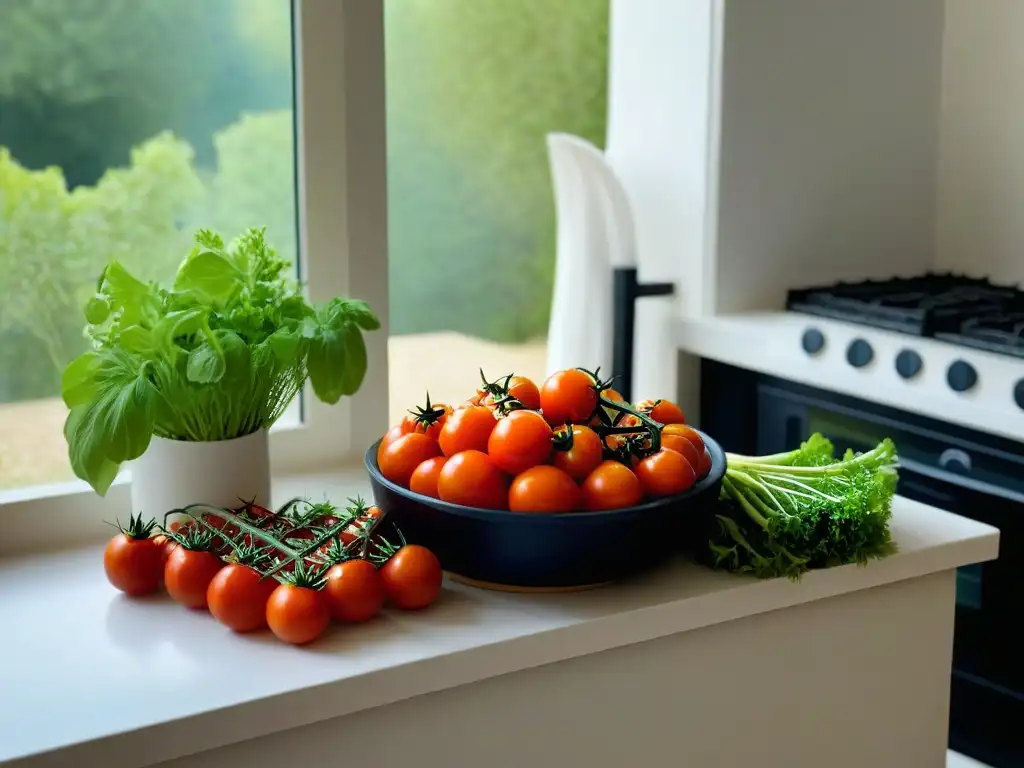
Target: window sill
<point>162,682</point>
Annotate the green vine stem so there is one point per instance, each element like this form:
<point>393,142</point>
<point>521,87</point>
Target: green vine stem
<point>647,424</point>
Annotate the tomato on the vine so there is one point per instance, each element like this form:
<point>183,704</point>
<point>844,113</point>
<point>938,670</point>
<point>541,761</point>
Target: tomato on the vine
<point>662,411</point>
<point>237,597</point>
<point>680,444</point>
<point>133,561</point>
<point>412,577</point>
<point>543,489</point>
<point>614,442</point>
<point>297,614</point>
<point>424,477</point>
<point>568,396</point>
<point>520,440</point>
<point>611,486</point>
<point>583,456</point>
<point>428,419</point>
<point>188,573</point>
<point>468,429</point>
<point>354,591</point>
<point>472,479</point>
<point>665,473</point>
<point>405,454</point>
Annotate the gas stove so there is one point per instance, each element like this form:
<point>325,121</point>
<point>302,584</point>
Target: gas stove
<point>954,308</point>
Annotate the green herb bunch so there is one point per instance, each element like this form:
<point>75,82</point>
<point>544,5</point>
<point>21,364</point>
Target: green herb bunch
<point>217,356</point>
<point>780,515</point>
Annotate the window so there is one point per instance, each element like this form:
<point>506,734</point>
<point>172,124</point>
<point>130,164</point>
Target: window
<point>169,117</point>
<point>473,87</point>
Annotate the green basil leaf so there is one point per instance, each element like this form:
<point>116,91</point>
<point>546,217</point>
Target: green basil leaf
<point>85,453</point>
<point>206,363</point>
<point>326,363</point>
<point>237,358</point>
<point>182,322</point>
<point>137,339</point>
<point>78,382</point>
<point>122,286</point>
<point>361,314</point>
<point>285,346</point>
<point>210,276</point>
<point>97,310</point>
<point>355,359</point>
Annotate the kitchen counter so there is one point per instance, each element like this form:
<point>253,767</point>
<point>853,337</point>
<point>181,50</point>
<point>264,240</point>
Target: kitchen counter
<point>848,667</point>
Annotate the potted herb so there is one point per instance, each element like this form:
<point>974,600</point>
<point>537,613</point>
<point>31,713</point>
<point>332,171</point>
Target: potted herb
<point>190,378</point>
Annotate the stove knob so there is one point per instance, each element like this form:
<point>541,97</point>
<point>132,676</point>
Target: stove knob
<point>908,363</point>
<point>961,376</point>
<point>859,353</point>
<point>813,341</point>
<point>1018,393</point>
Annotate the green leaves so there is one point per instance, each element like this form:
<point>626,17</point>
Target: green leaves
<point>337,353</point>
<point>218,357</point>
<point>211,276</point>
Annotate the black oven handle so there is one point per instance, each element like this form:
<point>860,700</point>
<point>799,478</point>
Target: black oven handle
<point>963,481</point>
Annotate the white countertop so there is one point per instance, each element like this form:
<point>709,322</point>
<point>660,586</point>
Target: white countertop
<point>91,673</point>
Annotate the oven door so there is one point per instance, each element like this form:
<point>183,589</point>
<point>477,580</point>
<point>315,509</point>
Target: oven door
<point>967,478</point>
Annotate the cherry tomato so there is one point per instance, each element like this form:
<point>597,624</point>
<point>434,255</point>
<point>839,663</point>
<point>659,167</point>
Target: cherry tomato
<point>583,457</point>
<point>354,591</point>
<point>428,419</point>
<point>680,444</point>
<point>297,615</point>
<point>134,565</point>
<point>611,486</point>
<point>705,464</point>
<point>628,420</point>
<point>568,397</point>
<point>665,473</point>
<point>424,477</point>
<point>525,391</point>
<point>543,489</point>
<point>467,430</point>
<point>166,545</point>
<point>685,431</point>
<point>521,440</point>
<point>237,597</point>
<point>187,575</point>
<point>472,479</point>
<point>665,412</point>
<point>389,437</point>
<point>405,454</point>
<point>412,577</point>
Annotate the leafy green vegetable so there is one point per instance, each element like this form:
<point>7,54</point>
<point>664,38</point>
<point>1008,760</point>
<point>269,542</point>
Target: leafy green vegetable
<point>218,356</point>
<point>783,514</point>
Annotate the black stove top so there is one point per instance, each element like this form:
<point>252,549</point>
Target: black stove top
<point>961,310</point>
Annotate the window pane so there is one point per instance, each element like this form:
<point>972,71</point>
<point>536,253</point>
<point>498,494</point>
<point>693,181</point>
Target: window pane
<point>125,125</point>
<point>473,88</point>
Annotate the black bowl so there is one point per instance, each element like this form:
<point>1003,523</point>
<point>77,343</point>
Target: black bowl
<point>517,550</point>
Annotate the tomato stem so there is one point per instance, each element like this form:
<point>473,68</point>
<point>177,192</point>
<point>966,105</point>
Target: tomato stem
<point>647,424</point>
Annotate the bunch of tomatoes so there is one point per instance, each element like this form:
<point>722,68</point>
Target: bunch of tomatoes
<point>292,571</point>
<point>571,444</point>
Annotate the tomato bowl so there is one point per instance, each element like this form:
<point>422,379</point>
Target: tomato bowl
<point>550,552</point>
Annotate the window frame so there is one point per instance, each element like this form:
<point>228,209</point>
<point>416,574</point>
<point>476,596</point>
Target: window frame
<point>341,182</point>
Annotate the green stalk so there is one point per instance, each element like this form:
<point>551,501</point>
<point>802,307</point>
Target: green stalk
<point>839,468</point>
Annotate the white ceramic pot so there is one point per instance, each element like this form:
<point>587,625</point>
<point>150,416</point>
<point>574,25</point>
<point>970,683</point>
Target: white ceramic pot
<point>174,473</point>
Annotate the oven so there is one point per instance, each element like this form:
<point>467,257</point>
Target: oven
<point>961,470</point>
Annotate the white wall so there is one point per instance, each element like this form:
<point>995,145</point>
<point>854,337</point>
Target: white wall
<point>829,137</point>
<point>980,223</point>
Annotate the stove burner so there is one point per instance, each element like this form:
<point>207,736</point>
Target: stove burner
<point>955,308</point>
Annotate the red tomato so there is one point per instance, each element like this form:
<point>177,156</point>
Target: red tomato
<point>166,545</point>
<point>689,433</point>
<point>188,574</point>
<point>705,463</point>
<point>412,577</point>
<point>354,591</point>
<point>568,396</point>
<point>543,489</point>
<point>666,412</point>
<point>467,430</point>
<point>297,615</point>
<point>665,473</point>
<point>611,486</point>
<point>583,456</point>
<point>680,444</point>
<point>389,437</point>
<point>472,479</point>
<point>519,441</point>
<point>525,391</point>
<point>424,477</point>
<point>237,597</point>
<point>134,566</point>
<point>405,454</point>
<point>427,420</point>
